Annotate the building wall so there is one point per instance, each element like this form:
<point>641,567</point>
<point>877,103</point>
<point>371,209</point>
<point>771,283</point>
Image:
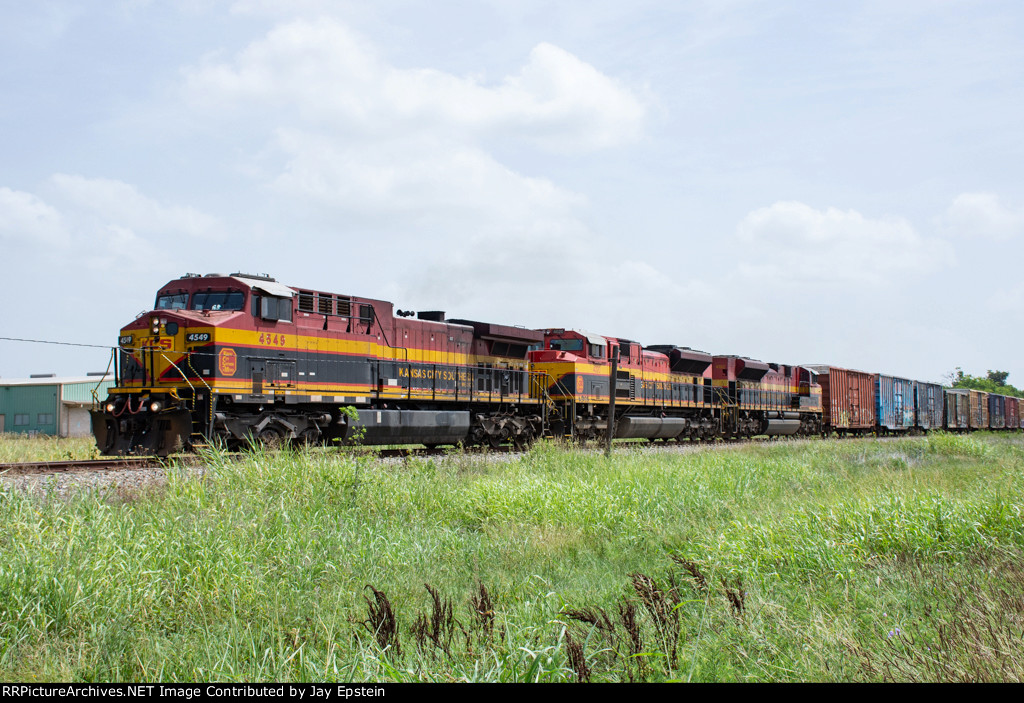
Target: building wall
<point>75,421</point>
<point>50,407</point>
<point>81,392</point>
<point>30,409</point>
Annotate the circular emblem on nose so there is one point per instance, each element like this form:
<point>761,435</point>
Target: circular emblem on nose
<point>227,362</point>
<point>579,384</point>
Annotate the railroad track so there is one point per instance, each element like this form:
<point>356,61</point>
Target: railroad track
<point>80,465</point>
<point>28,468</point>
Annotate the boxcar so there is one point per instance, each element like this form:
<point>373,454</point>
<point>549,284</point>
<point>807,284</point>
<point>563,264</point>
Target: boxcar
<point>958,409</point>
<point>848,399</point>
<point>928,405</point>
<point>996,411</point>
<point>1012,413</point>
<point>979,410</point>
<point>894,403</point>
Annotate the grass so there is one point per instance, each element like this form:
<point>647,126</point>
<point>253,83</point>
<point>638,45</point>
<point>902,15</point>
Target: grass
<point>830,561</point>
<point>16,448</point>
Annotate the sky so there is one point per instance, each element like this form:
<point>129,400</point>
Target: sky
<point>797,182</point>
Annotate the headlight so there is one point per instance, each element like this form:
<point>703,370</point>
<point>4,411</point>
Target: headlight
<point>155,406</point>
<point>110,407</point>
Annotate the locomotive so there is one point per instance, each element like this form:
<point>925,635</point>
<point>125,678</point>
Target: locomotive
<point>238,357</point>
<point>243,358</point>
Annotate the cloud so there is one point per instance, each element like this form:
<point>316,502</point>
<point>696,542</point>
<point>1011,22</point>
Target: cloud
<point>28,219</point>
<point>558,272</point>
<point>794,241</point>
<point>96,222</point>
<point>120,204</point>
<point>414,176</point>
<point>326,76</point>
<point>408,151</point>
<point>983,216</point>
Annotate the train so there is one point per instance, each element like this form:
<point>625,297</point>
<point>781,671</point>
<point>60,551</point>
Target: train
<point>236,359</point>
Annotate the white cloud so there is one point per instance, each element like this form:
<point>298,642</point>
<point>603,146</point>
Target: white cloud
<point>327,76</point>
<point>412,175</point>
<point>557,272</point>
<point>796,242</point>
<point>26,218</point>
<point>983,216</point>
<point>120,204</point>
<point>95,222</point>
<point>349,132</point>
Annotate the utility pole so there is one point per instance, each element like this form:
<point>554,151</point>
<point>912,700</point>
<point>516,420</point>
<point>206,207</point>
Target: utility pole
<point>612,382</point>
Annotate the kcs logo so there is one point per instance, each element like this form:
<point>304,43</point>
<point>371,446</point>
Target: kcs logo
<point>227,362</point>
<point>161,343</point>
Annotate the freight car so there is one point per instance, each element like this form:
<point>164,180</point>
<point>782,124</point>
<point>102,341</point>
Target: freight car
<point>958,409</point>
<point>928,403</point>
<point>895,407</point>
<point>848,399</point>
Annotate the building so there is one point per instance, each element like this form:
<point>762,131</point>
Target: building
<point>49,405</point>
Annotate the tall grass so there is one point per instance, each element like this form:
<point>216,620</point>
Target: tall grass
<point>780,562</point>
<point>16,448</point>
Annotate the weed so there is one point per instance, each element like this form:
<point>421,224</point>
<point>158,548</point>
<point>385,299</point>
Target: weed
<point>482,608</point>
<point>695,573</point>
<point>439,627</point>
<point>381,622</point>
<point>577,659</point>
<point>663,608</point>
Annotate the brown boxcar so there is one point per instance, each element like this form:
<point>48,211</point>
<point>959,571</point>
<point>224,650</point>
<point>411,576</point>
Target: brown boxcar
<point>847,398</point>
<point>958,409</point>
<point>1012,413</point>
<point>979,410</point>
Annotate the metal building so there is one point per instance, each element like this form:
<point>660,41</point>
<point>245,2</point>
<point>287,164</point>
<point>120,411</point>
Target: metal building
<point>50,405</point>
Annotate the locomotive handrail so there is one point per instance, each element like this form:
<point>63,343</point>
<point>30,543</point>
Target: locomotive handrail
<point>184,377</point>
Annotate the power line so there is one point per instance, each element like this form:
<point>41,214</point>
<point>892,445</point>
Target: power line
<point>47,341</point>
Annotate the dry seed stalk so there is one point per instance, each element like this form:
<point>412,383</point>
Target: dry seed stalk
<point>381,621</point>
<point>577,660</point>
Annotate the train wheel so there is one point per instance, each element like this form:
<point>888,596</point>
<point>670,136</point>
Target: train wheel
<point>309,437</point>
<point>524,441</point>
<point>270,438</point>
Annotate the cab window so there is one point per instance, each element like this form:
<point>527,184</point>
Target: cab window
<point>218,300</point>
<point>567,344</point>
<point>272,308</point>
<point>176,301</point>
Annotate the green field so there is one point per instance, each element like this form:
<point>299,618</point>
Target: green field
<point>814,561</point>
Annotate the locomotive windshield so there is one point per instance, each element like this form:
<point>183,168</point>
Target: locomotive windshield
<point>567,344</point>
<point>218,300</point>
<point>177,301</point>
